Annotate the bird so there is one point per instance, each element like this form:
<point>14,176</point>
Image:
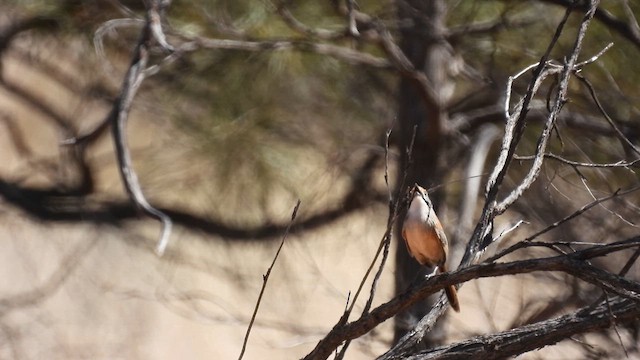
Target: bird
<point>425,238</point>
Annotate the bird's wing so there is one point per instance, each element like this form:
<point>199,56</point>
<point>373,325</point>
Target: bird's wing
<point>406,243</point>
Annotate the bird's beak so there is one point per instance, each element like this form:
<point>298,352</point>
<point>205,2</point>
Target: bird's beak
<point>414,190</point>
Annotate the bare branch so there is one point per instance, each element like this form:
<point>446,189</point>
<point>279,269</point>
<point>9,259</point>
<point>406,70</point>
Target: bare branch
<point>595,57</point>
<point>265,279</point>
<point>613,125</point>
<point>395,206</point>
<point>573,264</point>
<point>534,336</point>
<point>486,135</point>
<point>382,247</point>
<point>560,99</point>
<point>514,129</point>
<point>618,164</point>
<point>155,13</point>
<point>629,31</point>
<point>508,229</point>
<point>110,27</point>
<point>575,214</point>
<point>119,115</point>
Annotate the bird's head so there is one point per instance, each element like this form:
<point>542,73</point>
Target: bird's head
<point>418,190</point>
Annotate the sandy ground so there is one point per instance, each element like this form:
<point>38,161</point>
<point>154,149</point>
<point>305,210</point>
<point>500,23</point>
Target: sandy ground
<point>86,292</point>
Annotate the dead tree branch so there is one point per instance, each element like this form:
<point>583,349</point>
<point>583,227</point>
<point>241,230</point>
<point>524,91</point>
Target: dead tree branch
<point>514,129</point>
<point>573,264</point>
<point>534,336</point>
<point>627,30</point>
<point>617,164</point>
<point>265,279</point>
<point>120,113</point>
<point>623,139</point>
<point>524,243</point>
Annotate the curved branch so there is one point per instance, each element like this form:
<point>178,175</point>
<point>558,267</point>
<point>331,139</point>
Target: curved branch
<point>120,113</point>
<point>482,142</point>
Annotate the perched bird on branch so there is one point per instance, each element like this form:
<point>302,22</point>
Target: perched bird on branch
<point>425,238</point>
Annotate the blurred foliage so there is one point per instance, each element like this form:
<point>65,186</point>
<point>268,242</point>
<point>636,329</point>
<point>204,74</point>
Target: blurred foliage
<point>255,117</point>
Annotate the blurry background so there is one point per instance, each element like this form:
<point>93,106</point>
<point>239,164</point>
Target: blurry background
<point>226,140</point>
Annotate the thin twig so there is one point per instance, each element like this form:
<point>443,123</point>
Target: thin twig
<point>586,186</point>
<point>265,279</point>
<point>618,164</point>
<point>604,113</point>
<point>509,88</point>
<point>515,128</point>
<point>89,136</point>
<point>511,228</point>
<point>595,57</point>
<point>614,323</point>
<point>386,164</point>
<point>560,100</point>
<point>632,260</point>
<point>394,209</point>
<point>567,218</point>
<point>394,212</point>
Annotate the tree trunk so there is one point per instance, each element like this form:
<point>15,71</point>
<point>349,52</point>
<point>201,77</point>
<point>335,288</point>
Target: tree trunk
<point>424,44</point>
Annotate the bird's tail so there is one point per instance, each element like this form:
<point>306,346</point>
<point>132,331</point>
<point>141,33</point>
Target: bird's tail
<point>451,292</point>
